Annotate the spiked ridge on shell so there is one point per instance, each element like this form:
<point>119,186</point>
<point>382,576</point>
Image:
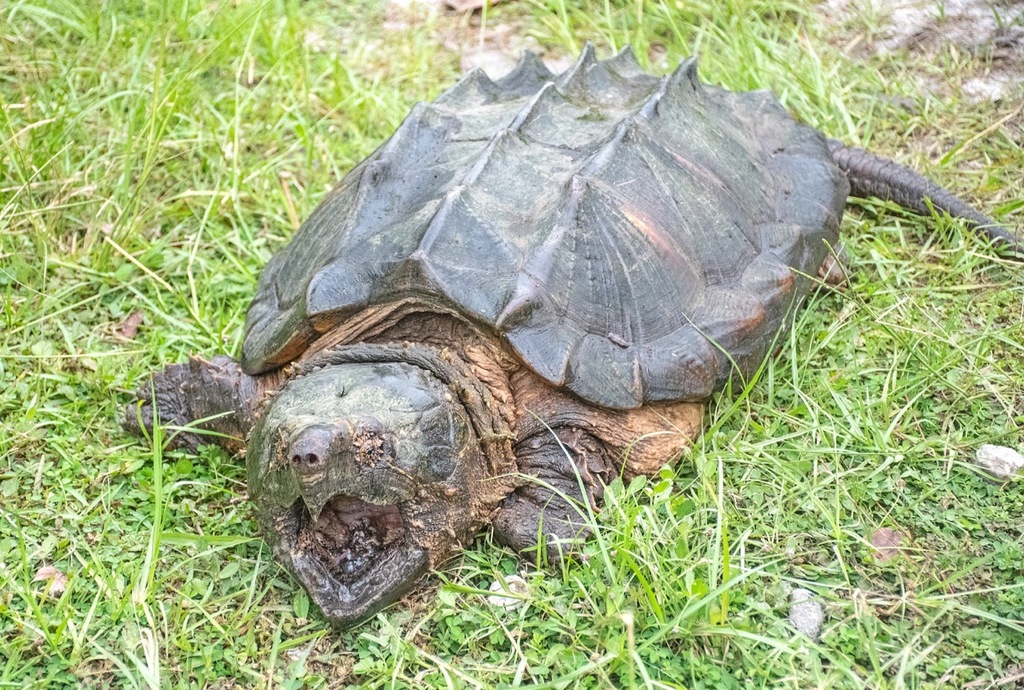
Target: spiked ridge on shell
<point>632,238</point>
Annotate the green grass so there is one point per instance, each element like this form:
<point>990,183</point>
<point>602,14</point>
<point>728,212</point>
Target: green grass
<point>153,156</point>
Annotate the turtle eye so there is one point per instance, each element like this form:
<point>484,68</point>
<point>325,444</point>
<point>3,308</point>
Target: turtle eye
<point>439,463</point>
<point>444,436</point>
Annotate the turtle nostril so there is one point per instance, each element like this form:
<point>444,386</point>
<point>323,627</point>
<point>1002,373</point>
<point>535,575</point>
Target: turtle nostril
<point>310,447</point>
<point>309,459</point>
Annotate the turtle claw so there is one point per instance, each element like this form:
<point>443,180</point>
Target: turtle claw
<point>165,393</point>
<point>541,525</point>
<point>189,398</point>
<point>546,517</point>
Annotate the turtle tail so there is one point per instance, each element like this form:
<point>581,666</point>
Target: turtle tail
<point>872,175</point>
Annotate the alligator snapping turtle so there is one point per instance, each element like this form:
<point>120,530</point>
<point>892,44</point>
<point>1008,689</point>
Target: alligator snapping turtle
<point>528,289</point>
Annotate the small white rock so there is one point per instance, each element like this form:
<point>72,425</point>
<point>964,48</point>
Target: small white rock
<point>512,584</point>
<point>805,613</point>
<point>495,62</point>
<point>1000,461</point>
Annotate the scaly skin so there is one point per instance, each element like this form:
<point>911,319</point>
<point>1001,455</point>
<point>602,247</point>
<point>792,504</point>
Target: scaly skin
<point>216,391</point>
<point>872,175</point>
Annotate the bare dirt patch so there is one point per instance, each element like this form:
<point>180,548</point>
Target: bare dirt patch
<point>992,30</point>
<point>494,47</point>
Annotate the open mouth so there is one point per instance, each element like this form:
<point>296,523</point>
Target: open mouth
<point>350,536</point>
<point>354,559</point>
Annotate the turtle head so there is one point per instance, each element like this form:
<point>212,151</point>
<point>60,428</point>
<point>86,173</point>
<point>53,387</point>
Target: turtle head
<point>363,475</point>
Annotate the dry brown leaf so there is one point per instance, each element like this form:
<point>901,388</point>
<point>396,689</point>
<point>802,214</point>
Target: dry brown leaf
<point>58,581</point>
<point>130,326</point>
<point>887,543</point>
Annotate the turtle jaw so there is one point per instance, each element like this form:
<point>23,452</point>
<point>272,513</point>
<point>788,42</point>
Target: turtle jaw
<point>354,559</point>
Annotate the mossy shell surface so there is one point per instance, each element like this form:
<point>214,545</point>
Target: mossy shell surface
<point>634,239</point>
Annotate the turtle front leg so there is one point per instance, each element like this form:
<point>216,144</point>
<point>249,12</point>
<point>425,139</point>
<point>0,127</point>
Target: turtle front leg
<point>564,471</point>
<point>213,396</point>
